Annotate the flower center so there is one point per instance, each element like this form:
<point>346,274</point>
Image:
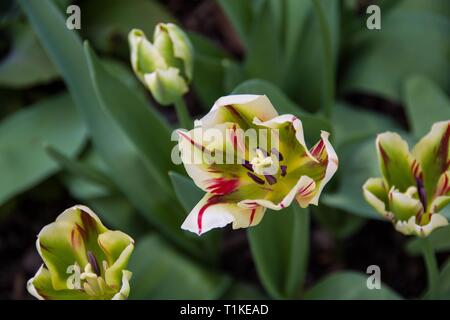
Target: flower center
<point>261,162</point>
<point>88,280</point>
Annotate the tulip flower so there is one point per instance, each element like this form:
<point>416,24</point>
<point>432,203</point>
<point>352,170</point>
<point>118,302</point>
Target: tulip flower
<point>83,260</point>
<point>165,66</point>
<point>269,171</point>
<point>415,186</point>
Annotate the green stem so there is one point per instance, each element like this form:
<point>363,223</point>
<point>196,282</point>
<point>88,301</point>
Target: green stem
<point>182,113</point>
<point>432,267</point>
<point>328,100</point>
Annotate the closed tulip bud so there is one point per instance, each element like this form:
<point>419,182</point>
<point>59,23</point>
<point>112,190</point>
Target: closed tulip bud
<point>165,66</point>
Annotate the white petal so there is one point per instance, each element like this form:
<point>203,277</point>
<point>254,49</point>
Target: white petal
<point>247,104</point>
<point>208,215</point>
<point>410,227</point>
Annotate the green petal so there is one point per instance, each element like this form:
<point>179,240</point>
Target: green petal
<point>163,43</point>
<point>40,286</point>
<point>113,243</point>
<point>395,161</point>
<point>182,47</point>
<point>411,228</point>
<point>114,273</point>
<point>166,86</point>
<point>433,154</point>
<point>402,205</point>
<point>67,240</point>
<point>144,56</point>
<point>125,289</point>
<point>376,195</point>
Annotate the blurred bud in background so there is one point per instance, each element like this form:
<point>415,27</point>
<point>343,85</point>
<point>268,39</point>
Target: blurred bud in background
<point>164,66</point>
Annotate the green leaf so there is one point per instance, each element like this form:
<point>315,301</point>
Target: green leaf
<point>265,36</point>
<point>305,75</point>
<point>240,14</point>
<point>413,40</point>
<point>134,116</point>
<point>341,224</point>
<point>186,191</point>
<point>23,161</point>
<point>312,124</point>
<point>160,272</point>
<point>107,22</point>
<point>348,286</point>
<point>352,124</point>
<point>114,209</point>
<point>443,283</point>
<point>243,291</point>
<point>358,162</point>
<point>127,165</point>
<point>280,250</point>
<point>188,194</point>
<point>209,73</point>
<point>439,239</point>
<point>425,103</point>
<point>80,169</point>
<point>26,63</point>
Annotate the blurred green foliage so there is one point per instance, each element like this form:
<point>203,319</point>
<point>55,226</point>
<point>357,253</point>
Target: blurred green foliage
<point>112,147</point>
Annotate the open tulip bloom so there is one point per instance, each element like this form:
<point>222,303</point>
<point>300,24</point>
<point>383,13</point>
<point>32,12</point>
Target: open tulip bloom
<point>415,186</point>
<point>82,259</point>
<point>261,162</point>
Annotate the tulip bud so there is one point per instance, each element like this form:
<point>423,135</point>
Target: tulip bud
<point>165,66</point>
<point>83,260</point>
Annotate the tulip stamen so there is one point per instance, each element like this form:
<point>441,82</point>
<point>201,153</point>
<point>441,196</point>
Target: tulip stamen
<point>255,178</point>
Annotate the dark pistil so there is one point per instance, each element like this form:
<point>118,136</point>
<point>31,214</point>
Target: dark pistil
<point>422,193</point>
<point>93,262</point>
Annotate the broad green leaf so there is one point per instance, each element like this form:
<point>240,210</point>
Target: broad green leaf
<point>312,124</point>
<point>425,103</point>
<point>114,209</point>
<point>439,240</point>
<point>126,163</point>
<point>186,191</point>
<point>188,194</point>
<point>243,291</point>
<point>443,283</point>
<point>265,37</point>
<point>209,73</point>
<point>139,121</point>
<point>413,40</point>
<point>358,162</point>
<point>80,169</point>
<point>106,23</point>
<point>352,124</point>
<point>240,14</point>
<point>348,286</point>
<point>341,224</point>
<point>160,272</point>
<point>26,64</point>
<point>280,250</point>
<point>296,16</point>
<point>304,78</point>
<point>23,160</point>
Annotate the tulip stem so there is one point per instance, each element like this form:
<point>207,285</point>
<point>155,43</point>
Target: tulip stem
<point>328,100</point>
<point>432,267</point>
<point>182,113</point>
